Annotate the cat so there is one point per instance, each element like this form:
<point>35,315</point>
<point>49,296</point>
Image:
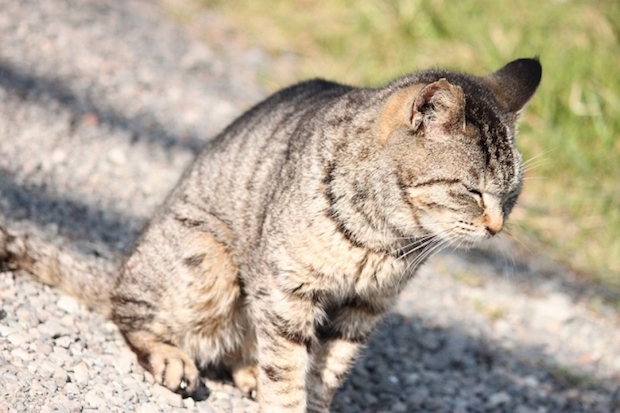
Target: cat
<point>292,233</point>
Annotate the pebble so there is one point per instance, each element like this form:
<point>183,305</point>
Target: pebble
<point>148,408</point>
<point>203,407</point>
<point>498,399</point>
<point>68,304</point>
<point>64,341</point>
<point>51,328</point>
<point>18,339</point>
<point>167,396</point>
<point>94,399</point>
<point>43,348</point>
<point>21,354</point>
<point>80,373</point>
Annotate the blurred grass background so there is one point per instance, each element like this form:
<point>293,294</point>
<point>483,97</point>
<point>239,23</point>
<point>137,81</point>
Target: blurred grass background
<point>570,131</point>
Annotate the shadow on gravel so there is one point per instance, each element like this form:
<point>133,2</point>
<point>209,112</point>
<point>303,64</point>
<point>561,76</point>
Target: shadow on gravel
<point>27,86</point>
<point>75,219</point>
<point>517,268</point>
<point>410,367</point>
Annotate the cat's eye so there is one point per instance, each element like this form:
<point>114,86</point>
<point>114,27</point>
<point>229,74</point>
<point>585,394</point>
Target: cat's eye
<point>474,193</point>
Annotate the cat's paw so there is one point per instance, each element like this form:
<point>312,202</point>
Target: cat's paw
<point>173,369</point>
<point>246,380</point>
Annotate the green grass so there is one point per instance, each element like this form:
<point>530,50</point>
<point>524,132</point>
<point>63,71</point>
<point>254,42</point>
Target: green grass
<point>571,203</point>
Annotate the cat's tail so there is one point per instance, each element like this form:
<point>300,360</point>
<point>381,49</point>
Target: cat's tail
<point>49,265</point>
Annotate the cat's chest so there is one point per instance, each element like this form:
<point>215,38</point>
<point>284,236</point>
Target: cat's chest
<point>330,263</point>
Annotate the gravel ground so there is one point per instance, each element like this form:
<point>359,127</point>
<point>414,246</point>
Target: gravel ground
<point>102,105</point>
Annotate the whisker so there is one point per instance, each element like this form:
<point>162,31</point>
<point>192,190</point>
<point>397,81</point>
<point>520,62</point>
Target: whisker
<point>514,237</point>
<point>424,244</point>
<point>536,164</point>
<point>540,155</point>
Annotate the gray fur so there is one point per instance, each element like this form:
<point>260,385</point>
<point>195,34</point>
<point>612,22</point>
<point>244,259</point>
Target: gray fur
<point>292,233</point>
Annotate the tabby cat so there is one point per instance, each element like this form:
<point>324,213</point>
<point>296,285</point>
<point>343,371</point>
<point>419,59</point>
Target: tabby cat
<point>291,235</point>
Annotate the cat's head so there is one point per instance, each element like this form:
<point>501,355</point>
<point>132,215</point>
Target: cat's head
<point>452,140</point>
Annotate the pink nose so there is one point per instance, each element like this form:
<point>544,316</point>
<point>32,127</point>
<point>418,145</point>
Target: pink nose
<point>494,224</point>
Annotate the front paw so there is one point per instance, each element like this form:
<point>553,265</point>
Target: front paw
<point>246,380</point>
<point>175,370</point>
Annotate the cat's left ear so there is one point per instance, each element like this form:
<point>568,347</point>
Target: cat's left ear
<point>514,84</point>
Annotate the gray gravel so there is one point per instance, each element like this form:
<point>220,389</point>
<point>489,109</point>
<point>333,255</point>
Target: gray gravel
<point>102,105</point>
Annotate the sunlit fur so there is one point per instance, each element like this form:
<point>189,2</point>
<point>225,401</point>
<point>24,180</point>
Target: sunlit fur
<point>291,235</point>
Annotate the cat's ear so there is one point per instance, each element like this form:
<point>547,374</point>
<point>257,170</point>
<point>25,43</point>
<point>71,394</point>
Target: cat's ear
<point>514,84</point>
<point>439,106</point>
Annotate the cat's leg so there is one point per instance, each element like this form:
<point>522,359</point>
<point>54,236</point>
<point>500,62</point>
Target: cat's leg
<point>242,365</point>
<point>340,342</point>
<point>285,333</point>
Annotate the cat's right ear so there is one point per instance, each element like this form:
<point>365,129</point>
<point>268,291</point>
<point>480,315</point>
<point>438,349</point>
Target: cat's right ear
<point>514,84</point>
<point>438,107</point>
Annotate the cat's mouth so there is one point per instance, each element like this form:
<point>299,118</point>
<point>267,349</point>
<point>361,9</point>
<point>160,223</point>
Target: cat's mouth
<point>463,234</point>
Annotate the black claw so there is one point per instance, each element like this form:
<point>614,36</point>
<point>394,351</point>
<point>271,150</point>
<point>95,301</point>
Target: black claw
<point>201,393</point>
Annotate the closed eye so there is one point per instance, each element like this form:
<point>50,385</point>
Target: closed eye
<point>474,193</point>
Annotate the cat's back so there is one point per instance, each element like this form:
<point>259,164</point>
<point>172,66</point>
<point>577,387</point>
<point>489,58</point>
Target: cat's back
<point>239,172</point>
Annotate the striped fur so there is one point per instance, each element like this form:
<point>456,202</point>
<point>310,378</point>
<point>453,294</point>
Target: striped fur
<point>291,235</point>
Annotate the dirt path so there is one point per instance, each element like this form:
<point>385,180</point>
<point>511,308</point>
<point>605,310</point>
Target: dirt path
<point>102,105</point>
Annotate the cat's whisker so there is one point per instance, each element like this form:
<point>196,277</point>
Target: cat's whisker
<point>427,253</point>
<point>421,246</point>
<point>535,164</point>
<point>514,237</point>
<point>533,158</point>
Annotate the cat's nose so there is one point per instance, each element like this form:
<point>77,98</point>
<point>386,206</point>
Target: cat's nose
<point>494,224</point>
<point>494,218</point>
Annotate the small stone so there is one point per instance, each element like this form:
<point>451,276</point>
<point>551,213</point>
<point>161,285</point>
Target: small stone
<point>71,388</point>
<point>117,156</point>
<point>36,388</point>
<point>418,396</point>
<point>189,403</point>
<point>6,331</point>
<point>67,321</point>
<point>94,400</point>
<point>169,397</point>
<point>50,385</point>
<point>412,378</point>
<point>498,399</point>
<point>530,381</point>
<point>21,354</point>
<point>27,316</point>
<point>428,341</point>
<point>52,329</point>
<point>203,407</point>
<point>43,316</point>
<point>148,408</point>
<point>59,156</point>
<point>68,304</point>
<point>399,407</point>
<point>63,341</point>
<point>62,355</point>
<point>124,363</point>
<point>43,348</point>
<point>80,373</point>
<point>370,398</point>
<point>18,339</point>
